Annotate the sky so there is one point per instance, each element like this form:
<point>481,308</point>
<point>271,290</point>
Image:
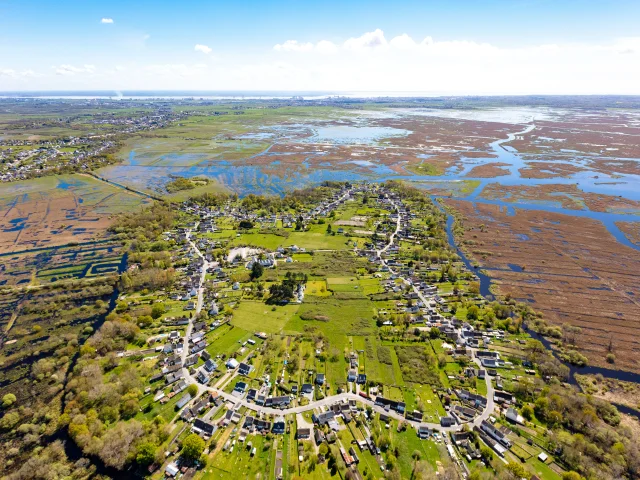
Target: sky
<point>478,47</point>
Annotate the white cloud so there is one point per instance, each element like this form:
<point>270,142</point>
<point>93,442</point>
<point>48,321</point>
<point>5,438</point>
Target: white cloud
<point>11,73</point>
<point>203,48</point>
<point>293,46</point>
<point>369,40</point>
<point>106,20</point>
<point>403,42</point>
<point>427,41</point>
<point>368,62</point>
<point>325,46</point>
<point>71,70</point>
<point>627,45</point>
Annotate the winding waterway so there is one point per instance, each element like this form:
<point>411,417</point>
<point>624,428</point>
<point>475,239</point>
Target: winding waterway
<point>245,178</point>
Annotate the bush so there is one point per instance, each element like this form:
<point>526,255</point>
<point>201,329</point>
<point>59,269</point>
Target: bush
<point>8,400</point>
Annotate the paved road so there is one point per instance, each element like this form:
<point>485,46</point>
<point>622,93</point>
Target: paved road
<point>393,235</point>
<point>388,245</point>
<point>185,348</point>
<point>327,401</point>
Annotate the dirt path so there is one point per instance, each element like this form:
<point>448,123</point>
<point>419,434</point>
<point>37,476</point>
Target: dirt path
<point>220,442</point>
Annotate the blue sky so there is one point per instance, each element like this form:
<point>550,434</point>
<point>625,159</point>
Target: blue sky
<point>528,46</point>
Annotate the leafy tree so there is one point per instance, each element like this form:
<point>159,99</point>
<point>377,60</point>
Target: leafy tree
<point>146,453</point>
<point>323,449</point>
<point>157,310</point>
<point>571,476</point>
<point>129,406</point>
<point>527,412</point>
<point>192,447</point>
<point>245,224</point>
<point>256,270</point>
<point>517,470</point>
<point>192,390</point>
<point>145,320</point>
<point>384,442</point>
<point>487,454</point>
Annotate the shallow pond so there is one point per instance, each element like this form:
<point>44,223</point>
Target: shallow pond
<point>356,135</point>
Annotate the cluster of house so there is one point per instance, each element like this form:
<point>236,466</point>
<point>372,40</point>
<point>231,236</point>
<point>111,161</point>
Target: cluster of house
<point>238,213</point>
<point>27,157</point>
<point>352,374</point>
<point>495,437</point>
<point>20,164</point>
<point>463,334</point>
<point>464,441</point>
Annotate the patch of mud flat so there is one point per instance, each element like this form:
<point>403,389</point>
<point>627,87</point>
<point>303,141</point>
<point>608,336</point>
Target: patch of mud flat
<point>571,269</point>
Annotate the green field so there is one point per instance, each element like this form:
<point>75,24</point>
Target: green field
<point>255,316</point>
<point>240,463</point>
<point>230,342</point>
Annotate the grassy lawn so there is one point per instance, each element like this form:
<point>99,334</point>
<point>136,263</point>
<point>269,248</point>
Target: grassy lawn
<point>343,284</point>
<point>166,411</point>
<point>229,343</point>
<point>316,241</point>
<point>407,442</point>
<point>429,401</point>
<point>541,469</point>
<point>481,386</point>
<point>370,285</point>
<point>380,367</point>
<point>317,288</point>
<point>394,393</point>
<point>268,241</point>
<point>336,320</point>
<point>255,316</point>
<point>311,240</point>
<point>240,463</point>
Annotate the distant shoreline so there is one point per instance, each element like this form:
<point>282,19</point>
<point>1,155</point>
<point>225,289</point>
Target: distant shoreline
<point>268,95</point>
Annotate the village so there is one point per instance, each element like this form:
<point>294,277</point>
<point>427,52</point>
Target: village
<point>52,152</point>
<point>216,375</point>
